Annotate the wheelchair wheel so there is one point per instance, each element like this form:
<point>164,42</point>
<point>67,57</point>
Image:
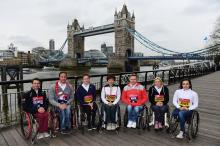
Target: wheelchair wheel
<point>81,119</point>
<point>149,117</point>
<point>173,125</point>
<point>193,126</point>
<point>126,118</point>
<point>54,123</point>
<point>97,119</point>
<point>118,117</point>
<point>26,121</point>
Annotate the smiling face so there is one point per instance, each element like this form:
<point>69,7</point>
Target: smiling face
<point>111,82</point>
<point>63,78</point>
<point>185,85</point>
<point>133,80</point>
<point>36,85</point>
<point>158,83</point>
<point>86,80</point>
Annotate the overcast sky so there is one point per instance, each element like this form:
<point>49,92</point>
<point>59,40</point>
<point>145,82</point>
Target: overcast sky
<point>179,25</point>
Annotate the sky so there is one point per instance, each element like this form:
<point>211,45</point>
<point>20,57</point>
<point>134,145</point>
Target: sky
<point>179,25</point>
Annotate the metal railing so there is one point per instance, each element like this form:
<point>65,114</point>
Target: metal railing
<point>10,102</point>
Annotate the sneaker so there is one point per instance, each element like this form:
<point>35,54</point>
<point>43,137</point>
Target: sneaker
<point>180,135</point>
<point>113,127</point>
<point>46,134</point>
<point>160,125</point>
<point>40,135</point>
<point>64,131</point>
<point>156,126</point>
<point>134,124</point>
<point>166,124</point>
<point>109,126</point>
<point>129,125</point>
<point>94,127</point>
<point>89,127</point>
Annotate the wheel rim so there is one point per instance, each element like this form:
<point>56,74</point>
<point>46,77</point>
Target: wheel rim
<point>26,124</point>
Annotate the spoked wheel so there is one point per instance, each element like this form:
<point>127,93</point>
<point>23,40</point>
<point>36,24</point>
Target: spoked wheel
<point>125,119</point>
<point>26,124</point>
<point>168,118</point>
<point>193,126</point>
<point>149,114</point>
<point>173,125</point>
<point>81,119</point>
<point>34,131</point>
<point>97,119</point>
<point>119,118</point>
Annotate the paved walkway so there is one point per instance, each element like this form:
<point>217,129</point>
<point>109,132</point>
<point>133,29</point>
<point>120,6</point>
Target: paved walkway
<point>208,88</point>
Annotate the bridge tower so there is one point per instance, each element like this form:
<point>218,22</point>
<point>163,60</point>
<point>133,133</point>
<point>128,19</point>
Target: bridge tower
<point>124,43</point>
<point>75,45</point>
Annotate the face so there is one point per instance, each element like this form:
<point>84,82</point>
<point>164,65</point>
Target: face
<point>158,83</point>
<point>63,78</point>
<point>185,85</point>
<point>86,80</point>
<point>36,85</point>
<point>133,80</point>
<point>111,81</point>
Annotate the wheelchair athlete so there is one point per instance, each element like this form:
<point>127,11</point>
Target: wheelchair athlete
<point>135,96</point>
<point>110,96</point>
<point>36,103</point>
<point>61,96</point>
<point>185,100</point>
<point>159,97</point>
<point>86,95</point>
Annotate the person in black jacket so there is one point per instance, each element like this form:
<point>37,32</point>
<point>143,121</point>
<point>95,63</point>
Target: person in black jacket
<point>36,103</point>
<point>159,97</point>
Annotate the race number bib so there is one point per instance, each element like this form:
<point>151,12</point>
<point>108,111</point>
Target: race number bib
<point>38,100</point>
<point>184,102</point>
<point>159,98</point>
<point>133,98</point>
<point>110,98</point>
<point>62,97</point>
<point>88,98</point>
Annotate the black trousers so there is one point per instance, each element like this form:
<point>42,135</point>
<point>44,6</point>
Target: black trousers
<point>90,112</point>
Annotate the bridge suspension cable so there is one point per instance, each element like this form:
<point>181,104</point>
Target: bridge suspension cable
<point>159,49</point>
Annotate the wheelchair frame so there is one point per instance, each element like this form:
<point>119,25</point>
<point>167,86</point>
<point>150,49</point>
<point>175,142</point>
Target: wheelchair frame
<point>192,126</point>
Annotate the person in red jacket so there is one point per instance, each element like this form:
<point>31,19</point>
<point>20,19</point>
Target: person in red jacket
<point>135,96</point>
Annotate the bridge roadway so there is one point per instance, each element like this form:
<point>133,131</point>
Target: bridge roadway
<point>209,129</point>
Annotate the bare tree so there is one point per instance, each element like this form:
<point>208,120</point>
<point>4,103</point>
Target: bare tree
<point>215,37</point>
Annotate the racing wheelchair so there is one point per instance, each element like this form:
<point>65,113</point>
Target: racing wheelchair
<point>192,126</point>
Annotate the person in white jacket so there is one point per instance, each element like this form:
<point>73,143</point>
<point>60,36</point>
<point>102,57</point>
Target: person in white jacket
<point>185,100</point>
<point>110,96</point>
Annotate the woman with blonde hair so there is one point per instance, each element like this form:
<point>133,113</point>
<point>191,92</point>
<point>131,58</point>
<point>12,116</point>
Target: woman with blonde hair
<point>159,97</point>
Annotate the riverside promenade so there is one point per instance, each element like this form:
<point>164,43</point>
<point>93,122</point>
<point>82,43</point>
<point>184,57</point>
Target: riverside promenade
<point>208,88</point>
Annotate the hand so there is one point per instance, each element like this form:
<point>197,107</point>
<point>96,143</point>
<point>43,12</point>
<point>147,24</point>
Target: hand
<point>91,105</point>
<point>160,103</point>
<point>184,108</point>
<point>41,110</point>
<point>62,106</point>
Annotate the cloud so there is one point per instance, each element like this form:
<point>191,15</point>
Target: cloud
<point>24,41</point>
<point>199,7</point>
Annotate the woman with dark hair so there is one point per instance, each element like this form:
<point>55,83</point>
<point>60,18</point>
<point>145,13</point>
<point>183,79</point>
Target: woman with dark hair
<point>110,96</point>
<point>185,100</point>
<point>159,97</point>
